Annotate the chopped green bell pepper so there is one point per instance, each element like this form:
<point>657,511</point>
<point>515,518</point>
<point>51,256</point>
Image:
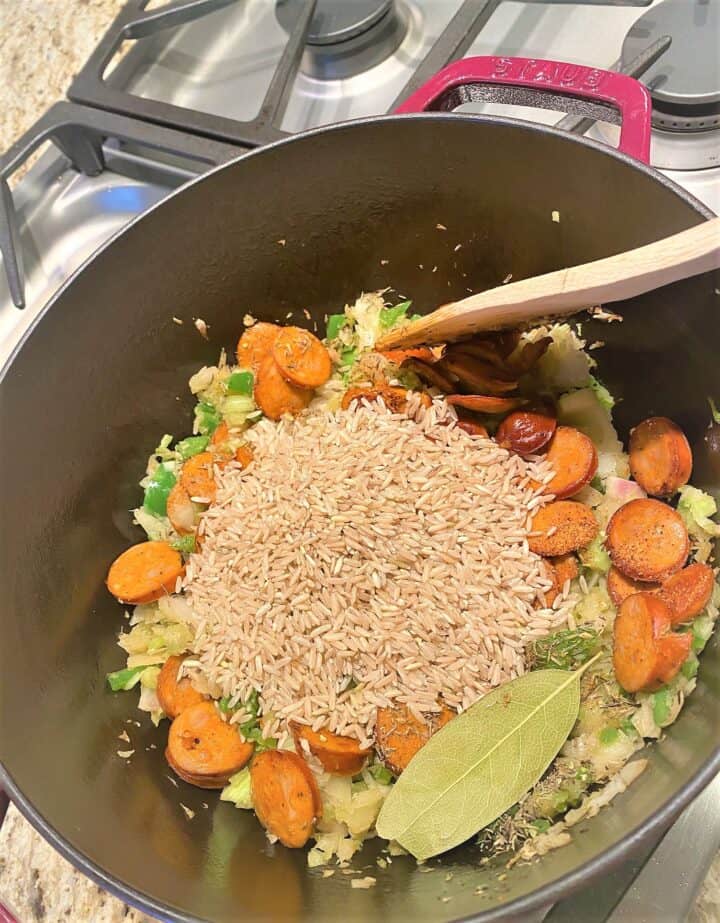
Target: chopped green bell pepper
<point>240,383</point>
<point>390,316</point>
<point>335,323</point>
<point>156,493</point>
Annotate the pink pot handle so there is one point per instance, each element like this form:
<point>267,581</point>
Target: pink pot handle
<point>547,84</point>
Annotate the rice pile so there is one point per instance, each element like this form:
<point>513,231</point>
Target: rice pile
<point>367,559</point>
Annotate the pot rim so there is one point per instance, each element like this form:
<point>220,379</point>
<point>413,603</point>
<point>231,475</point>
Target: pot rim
<point>547,894</point>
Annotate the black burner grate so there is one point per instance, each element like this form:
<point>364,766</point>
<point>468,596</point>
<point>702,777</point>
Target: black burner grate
<point>133,22</point>
<point>80,133</point>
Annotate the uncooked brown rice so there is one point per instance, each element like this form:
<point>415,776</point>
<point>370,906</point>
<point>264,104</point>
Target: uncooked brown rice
<point>368,558</point>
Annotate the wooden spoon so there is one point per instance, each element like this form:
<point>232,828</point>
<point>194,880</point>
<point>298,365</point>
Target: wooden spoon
<point>566,291</point>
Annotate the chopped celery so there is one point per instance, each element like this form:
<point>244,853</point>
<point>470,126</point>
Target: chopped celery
<point>609,736</point>
<point>156,493</point>
<point>696,507</point>
<point>193,445</point>
<point>595,557</point>
<point>714,410</point>
<point>157,528</point>
<point>690,667</point>
<point>662,700</point>
<point>124,679</point>
<point>252,707</point>
<point>541,824</point>
<point>335,323</point>
<point>149,677</point>
<point>381,773</point>
<point>239,790</point>
<point>207,418</point>
<point>163,638</point>
<point>236,407</point>
<point>254,735</point>
<point>602,393</point>
<point>250,729</point>
<point>185,544</point>
<point>252,704</point>
<point>348,356</point>
<point>224,705</point>
<point>163,452</point>
<point>390,316</point>
<point>584,774</point>
<point>702,628</point>
<point>240,383</point>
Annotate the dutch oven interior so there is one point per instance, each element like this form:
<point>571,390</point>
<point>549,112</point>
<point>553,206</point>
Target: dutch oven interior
<point>304,225</point>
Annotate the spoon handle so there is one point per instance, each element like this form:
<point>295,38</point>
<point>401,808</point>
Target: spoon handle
<point>565,291</point>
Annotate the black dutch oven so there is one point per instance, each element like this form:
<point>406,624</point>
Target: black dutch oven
<point>98,377</point>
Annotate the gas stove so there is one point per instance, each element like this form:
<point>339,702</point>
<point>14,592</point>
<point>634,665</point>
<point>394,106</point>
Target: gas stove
<point>173,90</point>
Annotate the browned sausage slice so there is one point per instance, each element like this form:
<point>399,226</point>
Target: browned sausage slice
<point>338,754</point>
<point>562,526</point>
<point>285,796</point>
<point>660,456</point>
<point>399,734</point>
<point>647,540</point>
<point>201,746</point>
<point>175,696</point>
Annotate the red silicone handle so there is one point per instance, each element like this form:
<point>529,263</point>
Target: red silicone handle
<point>628,96</point>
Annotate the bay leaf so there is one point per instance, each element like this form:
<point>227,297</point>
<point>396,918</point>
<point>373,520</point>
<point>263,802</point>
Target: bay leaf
<point>481,763</point>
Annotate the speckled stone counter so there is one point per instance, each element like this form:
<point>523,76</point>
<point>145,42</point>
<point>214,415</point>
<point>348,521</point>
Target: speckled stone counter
<point>42,44</point>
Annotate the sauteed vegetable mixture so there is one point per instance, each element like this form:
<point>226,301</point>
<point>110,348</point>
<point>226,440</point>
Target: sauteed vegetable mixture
<point>373,582</point>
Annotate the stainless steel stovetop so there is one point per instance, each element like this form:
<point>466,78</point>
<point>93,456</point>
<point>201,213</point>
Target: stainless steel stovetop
<point>170,92</point>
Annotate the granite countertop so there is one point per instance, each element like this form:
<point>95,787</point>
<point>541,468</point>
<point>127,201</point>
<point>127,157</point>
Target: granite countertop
<point>42,44</point>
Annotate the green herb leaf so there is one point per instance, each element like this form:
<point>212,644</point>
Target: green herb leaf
<point>240,383</point>
<point>335,323</point>
<point>390,316</point>
<point>122,680</point>
<point>563,650</point>
<point>480,764</point>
